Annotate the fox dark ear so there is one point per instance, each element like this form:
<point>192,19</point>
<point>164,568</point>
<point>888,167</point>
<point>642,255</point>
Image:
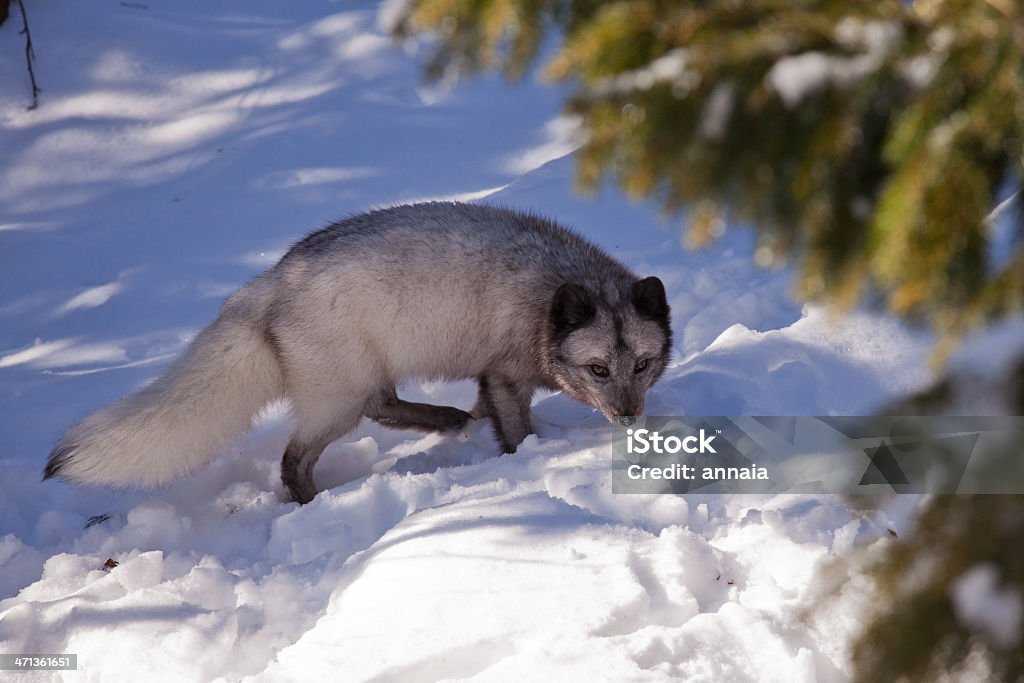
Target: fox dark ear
<point>649,299</point>
<point>571,308</point>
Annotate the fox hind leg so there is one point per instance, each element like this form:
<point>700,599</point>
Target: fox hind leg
<point>313,433</point>
<point>389,410</point>
<point>297,469</point>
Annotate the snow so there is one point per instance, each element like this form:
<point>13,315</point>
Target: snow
<point>796,76</point>
<point>718,111</point>
<point>982,605</point>
<point>178,149</point>
<point>669,68</point>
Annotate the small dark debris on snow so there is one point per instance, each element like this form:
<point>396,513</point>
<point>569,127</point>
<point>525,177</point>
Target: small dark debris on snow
<point>96,519</point>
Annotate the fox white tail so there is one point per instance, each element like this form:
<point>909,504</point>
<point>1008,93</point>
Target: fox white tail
<point>177,422</point>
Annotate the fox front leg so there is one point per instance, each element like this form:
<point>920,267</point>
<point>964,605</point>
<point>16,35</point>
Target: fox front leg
<point>508,405</point>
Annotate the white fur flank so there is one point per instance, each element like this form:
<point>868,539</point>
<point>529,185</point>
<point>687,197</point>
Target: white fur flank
<point>179,421</point>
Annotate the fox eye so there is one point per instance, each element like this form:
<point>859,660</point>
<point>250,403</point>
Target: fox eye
<point>599,370</point>
<point>640,366</point>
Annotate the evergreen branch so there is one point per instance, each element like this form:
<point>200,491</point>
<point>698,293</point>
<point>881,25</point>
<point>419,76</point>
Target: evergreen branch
<point>30,56</point>
<point>1006,8</point>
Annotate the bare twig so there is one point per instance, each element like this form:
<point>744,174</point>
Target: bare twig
<point>30,55</point>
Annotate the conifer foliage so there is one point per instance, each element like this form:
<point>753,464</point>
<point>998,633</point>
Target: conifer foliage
<point>951,597</point>
<point>869,140</point>
<point>879,145</point>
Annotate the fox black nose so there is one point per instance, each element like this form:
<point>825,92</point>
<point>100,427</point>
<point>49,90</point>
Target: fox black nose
<point>625,420</point>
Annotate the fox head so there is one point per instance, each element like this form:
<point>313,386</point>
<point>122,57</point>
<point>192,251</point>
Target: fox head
<point>607,348</point>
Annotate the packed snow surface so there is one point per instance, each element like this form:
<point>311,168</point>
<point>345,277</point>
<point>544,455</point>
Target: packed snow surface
<point>178,149</point>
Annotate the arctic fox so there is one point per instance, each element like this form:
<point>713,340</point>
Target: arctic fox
<point>423,291</point>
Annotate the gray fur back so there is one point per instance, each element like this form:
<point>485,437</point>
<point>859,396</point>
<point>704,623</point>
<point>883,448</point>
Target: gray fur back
<point>464,237</point>
<point>432,291</point>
